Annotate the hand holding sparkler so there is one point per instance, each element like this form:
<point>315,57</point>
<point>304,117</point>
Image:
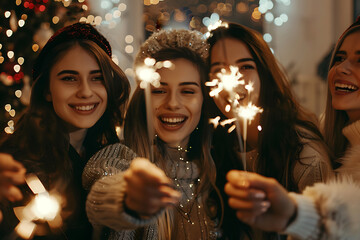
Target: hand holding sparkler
<point>260,201</point>
<point>148,188</point>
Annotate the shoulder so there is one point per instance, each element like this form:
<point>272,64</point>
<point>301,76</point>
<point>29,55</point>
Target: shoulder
<point>110,160</point>
<point>314,164</point>
<point>351,163</point>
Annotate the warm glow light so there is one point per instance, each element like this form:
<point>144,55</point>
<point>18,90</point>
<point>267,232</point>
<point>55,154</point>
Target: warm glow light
<point>35,47</point>
<point>9,32</point>
<point>18,2</point>
<point>129,72</point>
<point>21,23</point>
<point>98,20</point>
<point>122,7</point>
<point>17,68</point>
<point>108,16</point>
<point>10,54</point>
<point>45,207</point>
<point>1,59</point>
<point>249,112</point>
<point>12,113</point>
<point>117,14</point>
<point>82,19</point>
<point>8,130</point>
<point>7,14</point>
<point>11,123</point>
<point>18,93</point>
<point>90,19</point>
<point>21,60</point>
<point>55,19</point>
<point>129,39</point>
<point>7,107</point>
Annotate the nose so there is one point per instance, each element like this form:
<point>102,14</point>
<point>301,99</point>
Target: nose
<point>84,89</point>
<point>173,101</point>
<point>344,67</point>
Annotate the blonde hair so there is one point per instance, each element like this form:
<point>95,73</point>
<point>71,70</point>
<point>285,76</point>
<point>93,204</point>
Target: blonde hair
<point>335,120</point>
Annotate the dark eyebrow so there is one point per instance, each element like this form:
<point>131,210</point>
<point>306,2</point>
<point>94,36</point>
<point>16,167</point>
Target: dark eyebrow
<point>341,52</point>
<point>182,84</point>
<point>75,72</point>
<point>237,61</point>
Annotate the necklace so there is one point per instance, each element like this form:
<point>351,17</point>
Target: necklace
<point>182,173</point>
<point>192,218</point>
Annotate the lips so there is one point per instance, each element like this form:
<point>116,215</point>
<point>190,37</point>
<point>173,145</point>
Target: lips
<point>84,108</point>
<point>344,87</point>
<point>172,122</point>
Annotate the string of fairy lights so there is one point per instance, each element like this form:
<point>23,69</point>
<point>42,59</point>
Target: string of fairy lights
<point>114,10</point>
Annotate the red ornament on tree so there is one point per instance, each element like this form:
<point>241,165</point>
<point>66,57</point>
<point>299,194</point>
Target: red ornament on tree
<point>36,5</point>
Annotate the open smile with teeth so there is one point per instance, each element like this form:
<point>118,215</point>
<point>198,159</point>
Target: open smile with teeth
<point>345,87</point>
<point>84,107</point>
<point>172,121</point>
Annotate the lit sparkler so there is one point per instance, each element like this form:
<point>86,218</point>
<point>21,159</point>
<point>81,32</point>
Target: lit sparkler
<point>44,208</point>
<point>232,83</point>
<point>148,75</point>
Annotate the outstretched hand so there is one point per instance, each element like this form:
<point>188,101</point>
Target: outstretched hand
<point>148,188</point>
<point>12,173</point>
<point>259,201</point>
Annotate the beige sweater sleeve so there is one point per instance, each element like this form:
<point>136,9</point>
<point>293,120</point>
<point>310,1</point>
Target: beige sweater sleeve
<point>313,166</point>
<point>104,205</point>
<point>328,211</point>
<point>103,175</point>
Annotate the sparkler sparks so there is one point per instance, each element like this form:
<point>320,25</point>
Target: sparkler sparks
<point>238,93</point>
<point>44,207</point>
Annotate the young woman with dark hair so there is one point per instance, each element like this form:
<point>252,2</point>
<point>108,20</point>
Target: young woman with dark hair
<point>78,97</point>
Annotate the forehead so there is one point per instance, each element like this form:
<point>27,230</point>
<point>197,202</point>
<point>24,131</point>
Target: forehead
<point>76,58</point>
<point>351,41</point>
<point>184,71</point>
<point>229,48</point>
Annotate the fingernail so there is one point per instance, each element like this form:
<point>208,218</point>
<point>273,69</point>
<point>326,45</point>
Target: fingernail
<point>243,183</point>
<point>264,205</point>
<point>259,195</point>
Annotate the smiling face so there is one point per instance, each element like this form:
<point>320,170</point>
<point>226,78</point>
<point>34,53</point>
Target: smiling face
<point>177,103</point>
<point>344,77</point>
<point>76,89</point>
<point>230,51</point>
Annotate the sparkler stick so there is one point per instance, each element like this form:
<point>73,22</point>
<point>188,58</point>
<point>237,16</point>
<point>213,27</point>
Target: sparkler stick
<point>148,76</point>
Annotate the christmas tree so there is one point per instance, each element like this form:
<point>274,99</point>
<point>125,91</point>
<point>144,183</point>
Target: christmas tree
<point>25,27</point>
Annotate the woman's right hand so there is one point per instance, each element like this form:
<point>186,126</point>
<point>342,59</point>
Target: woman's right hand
<point>148,188</point>
<point>12,173</point>
<point>259,201</point>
